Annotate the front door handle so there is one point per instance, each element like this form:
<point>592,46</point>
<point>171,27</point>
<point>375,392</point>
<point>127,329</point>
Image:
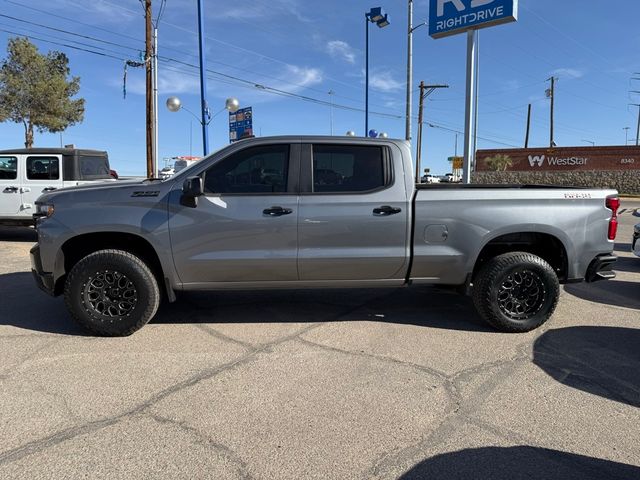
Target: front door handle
<point>10,190</point>
<point>386,210</point>
<point>276,211</point>
<point>49,189</point>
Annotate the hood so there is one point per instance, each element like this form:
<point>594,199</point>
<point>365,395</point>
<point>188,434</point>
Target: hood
<point>104,188</point>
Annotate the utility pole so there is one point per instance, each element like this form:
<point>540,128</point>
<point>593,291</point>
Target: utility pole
<point>425,91</point>
<point>626,135</point>
<point>551,95</point>
<point>526,138</point>
<point>638,128</point>
<point>156,168</point>
<point>149,87</point>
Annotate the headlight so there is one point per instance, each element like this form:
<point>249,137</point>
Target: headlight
<point>43,210</point>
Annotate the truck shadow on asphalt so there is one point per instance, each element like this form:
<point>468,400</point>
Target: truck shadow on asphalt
<point>420,306</point>
<point>515,463</point>
<point>603,361</point>
<point>25,306</point>
<point>618,293</point>
<point>18,234</point>
<point>627,264</point>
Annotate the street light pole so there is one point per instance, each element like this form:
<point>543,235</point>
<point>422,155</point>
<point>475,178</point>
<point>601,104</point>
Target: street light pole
<point>626,135</point>
<point>203,83</point>
<point>409,72</point>
<point>381,19</point>
<point>366,80</point>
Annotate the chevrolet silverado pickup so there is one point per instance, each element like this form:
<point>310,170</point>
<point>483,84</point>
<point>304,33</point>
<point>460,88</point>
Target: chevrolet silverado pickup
<point>316,212</point>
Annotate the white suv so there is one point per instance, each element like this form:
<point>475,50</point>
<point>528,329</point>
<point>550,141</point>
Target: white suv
<point>25,174</point>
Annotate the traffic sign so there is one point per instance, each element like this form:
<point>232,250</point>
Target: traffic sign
<point>456,162</point>
<point>449,17</point>
<point>240,124</point>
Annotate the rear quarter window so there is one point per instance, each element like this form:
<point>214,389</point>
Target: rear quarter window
<point>93,167</point>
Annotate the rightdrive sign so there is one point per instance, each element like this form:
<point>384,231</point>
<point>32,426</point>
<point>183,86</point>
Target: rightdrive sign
<point>449,17</point>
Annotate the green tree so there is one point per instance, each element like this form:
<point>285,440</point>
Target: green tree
<point>499,163</point>
<point>35,90</point>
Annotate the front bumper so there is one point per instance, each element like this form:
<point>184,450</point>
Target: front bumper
<point>635,242</point>
<point>600,268</point>
<point>44,280</point>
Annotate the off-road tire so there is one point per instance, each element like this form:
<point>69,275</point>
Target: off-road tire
<point>111,293</point>
<point>516,292</point>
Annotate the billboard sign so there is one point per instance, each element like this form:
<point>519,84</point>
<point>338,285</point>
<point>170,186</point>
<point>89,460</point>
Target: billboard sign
<point>240,124</point>
<point>562,159</point>
<point>449,17</point>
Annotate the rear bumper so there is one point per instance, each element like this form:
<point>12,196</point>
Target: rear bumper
<point>43,280</point>
<point>600,268</point>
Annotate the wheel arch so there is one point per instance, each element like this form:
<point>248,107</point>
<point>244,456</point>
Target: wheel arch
<point>79,246</point>
<point>545,245</point>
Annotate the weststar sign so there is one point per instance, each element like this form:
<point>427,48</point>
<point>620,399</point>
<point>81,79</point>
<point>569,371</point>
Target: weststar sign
<point>563,158</point>
<point>448,17</point>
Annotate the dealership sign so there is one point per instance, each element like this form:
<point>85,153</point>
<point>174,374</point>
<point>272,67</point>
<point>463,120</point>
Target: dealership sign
<point>448,17</point>
<point>563,159</point>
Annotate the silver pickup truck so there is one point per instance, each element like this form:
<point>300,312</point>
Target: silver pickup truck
<point>316,212</point>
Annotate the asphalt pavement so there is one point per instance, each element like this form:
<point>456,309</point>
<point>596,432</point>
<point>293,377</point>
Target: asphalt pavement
<point>360,384</point>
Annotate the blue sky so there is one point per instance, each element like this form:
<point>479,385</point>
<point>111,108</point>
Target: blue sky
<point>591,46</point>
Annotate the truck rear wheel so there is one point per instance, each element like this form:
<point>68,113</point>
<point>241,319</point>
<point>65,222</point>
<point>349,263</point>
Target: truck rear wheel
<point>111,293</point>
<point>516,292</point>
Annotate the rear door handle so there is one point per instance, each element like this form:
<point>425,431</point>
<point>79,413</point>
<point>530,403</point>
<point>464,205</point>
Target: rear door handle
<point>10,190</point>
<point>385,211</point>
<point>276,211</point>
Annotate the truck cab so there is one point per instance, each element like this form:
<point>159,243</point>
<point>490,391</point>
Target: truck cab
<point>25,174</point>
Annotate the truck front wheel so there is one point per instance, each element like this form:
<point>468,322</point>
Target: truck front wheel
<point>111,293</point>
<point>516,292</point>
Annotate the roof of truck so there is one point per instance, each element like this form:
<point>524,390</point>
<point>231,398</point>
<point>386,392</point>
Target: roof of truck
<point>54,151</point>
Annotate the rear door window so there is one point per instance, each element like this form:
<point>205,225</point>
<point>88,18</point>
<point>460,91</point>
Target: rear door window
<point>348,168</point>
<point>43,168</point>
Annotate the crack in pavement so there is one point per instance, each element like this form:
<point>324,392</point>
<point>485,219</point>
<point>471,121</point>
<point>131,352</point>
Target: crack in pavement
<point>225,338</point>
<point>89,427</point>
<point>458,416</point>
<point>222,449</point>
<point>8,372</point>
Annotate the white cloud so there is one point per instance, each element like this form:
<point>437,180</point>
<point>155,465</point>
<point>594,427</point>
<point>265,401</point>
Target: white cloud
<point>568,73</point>
<point>341,50</point>
<point>252,10</point>
<point>385,82</point>
<point>104,10</point>
<point>170,82</point>
<point>302,77</point>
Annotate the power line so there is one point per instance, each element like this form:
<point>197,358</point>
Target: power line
<point>102,54</point>
<point>87,37</point>
<point>74,21</point>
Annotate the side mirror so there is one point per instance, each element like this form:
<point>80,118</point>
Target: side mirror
<point>192,188</point>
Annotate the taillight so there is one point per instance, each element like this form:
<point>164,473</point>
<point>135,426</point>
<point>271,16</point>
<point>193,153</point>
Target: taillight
<point>613,204</point>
